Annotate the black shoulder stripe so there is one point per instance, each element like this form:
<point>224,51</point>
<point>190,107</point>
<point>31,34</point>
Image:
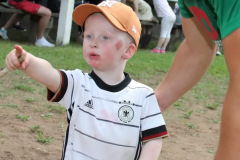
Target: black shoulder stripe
<point>154,132</point>
<point>150,95</point>
<point>63,87</point>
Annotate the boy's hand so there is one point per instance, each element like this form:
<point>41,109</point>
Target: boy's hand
<point>12,59</point>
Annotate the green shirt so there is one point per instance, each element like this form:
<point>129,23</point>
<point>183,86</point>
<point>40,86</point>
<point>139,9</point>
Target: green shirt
<point>218,17</point>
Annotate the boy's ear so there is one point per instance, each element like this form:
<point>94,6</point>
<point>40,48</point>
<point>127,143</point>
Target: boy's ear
<point>130,51</point>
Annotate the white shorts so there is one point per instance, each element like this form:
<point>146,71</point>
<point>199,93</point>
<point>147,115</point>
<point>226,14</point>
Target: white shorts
<point>163,9</point>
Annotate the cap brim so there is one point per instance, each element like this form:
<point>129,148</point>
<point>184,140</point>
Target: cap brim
<point>81,13</point>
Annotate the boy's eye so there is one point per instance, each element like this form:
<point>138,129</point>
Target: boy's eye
<point>105,37</point>
<point>89,36</point>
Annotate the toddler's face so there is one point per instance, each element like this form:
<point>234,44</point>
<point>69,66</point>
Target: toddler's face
<point>103,44</point>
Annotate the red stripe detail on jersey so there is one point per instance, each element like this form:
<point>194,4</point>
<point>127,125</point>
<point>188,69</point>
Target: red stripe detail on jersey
<point>155,136</point>
<point>201,15</point>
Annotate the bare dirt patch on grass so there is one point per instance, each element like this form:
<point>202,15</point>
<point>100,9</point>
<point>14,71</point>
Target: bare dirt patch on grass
<point>25,113</point>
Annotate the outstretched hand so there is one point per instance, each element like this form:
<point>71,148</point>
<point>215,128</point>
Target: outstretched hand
<point>13,59</point>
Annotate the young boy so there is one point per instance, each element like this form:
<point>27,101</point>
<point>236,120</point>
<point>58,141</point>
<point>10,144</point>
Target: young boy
<point>110,115</point>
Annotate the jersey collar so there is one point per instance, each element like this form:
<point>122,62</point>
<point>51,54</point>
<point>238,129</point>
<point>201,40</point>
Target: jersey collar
<point>111,88</point>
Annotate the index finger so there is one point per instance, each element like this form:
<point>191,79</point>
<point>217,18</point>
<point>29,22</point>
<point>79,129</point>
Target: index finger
<point>19,50</point>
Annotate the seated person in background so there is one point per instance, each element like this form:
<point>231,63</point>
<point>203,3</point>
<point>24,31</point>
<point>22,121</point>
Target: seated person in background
<point>142,9</point>
<point>31,8</point>
<point>144,13</point>
<point>17,25</point>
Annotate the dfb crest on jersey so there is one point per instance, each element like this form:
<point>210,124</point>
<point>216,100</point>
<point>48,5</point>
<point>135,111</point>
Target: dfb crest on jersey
<point>125,113</point>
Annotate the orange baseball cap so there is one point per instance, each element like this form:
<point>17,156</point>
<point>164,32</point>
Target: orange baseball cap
<point>119,15</point>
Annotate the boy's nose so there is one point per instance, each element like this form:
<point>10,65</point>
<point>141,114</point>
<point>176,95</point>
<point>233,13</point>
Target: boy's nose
<point>94,43</point>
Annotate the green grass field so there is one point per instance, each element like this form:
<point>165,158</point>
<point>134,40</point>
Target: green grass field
<point>144,66</point>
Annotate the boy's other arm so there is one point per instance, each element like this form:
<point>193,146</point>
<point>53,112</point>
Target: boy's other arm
<point>151,150</point>
<point>37,68</point>
<point>192,59</point>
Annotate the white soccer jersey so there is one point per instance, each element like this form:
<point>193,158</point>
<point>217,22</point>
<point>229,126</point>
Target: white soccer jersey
<point>107,122</point>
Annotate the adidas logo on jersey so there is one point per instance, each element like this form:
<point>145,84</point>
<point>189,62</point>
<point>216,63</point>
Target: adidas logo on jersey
<point>89,104</point>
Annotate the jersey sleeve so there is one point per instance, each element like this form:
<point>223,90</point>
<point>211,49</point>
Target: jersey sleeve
<point>152,123</point>
<point>56,97</point>
<point>67,90</point>
<point>184,10</point>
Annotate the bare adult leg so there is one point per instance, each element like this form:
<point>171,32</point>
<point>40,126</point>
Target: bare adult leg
<point>12,20</point>
<point>164,45</point>
<point>45,15</point>
<point>48,29</point>
<point>161,40</point>
<point>166,27</point>
<point>229,143</point>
